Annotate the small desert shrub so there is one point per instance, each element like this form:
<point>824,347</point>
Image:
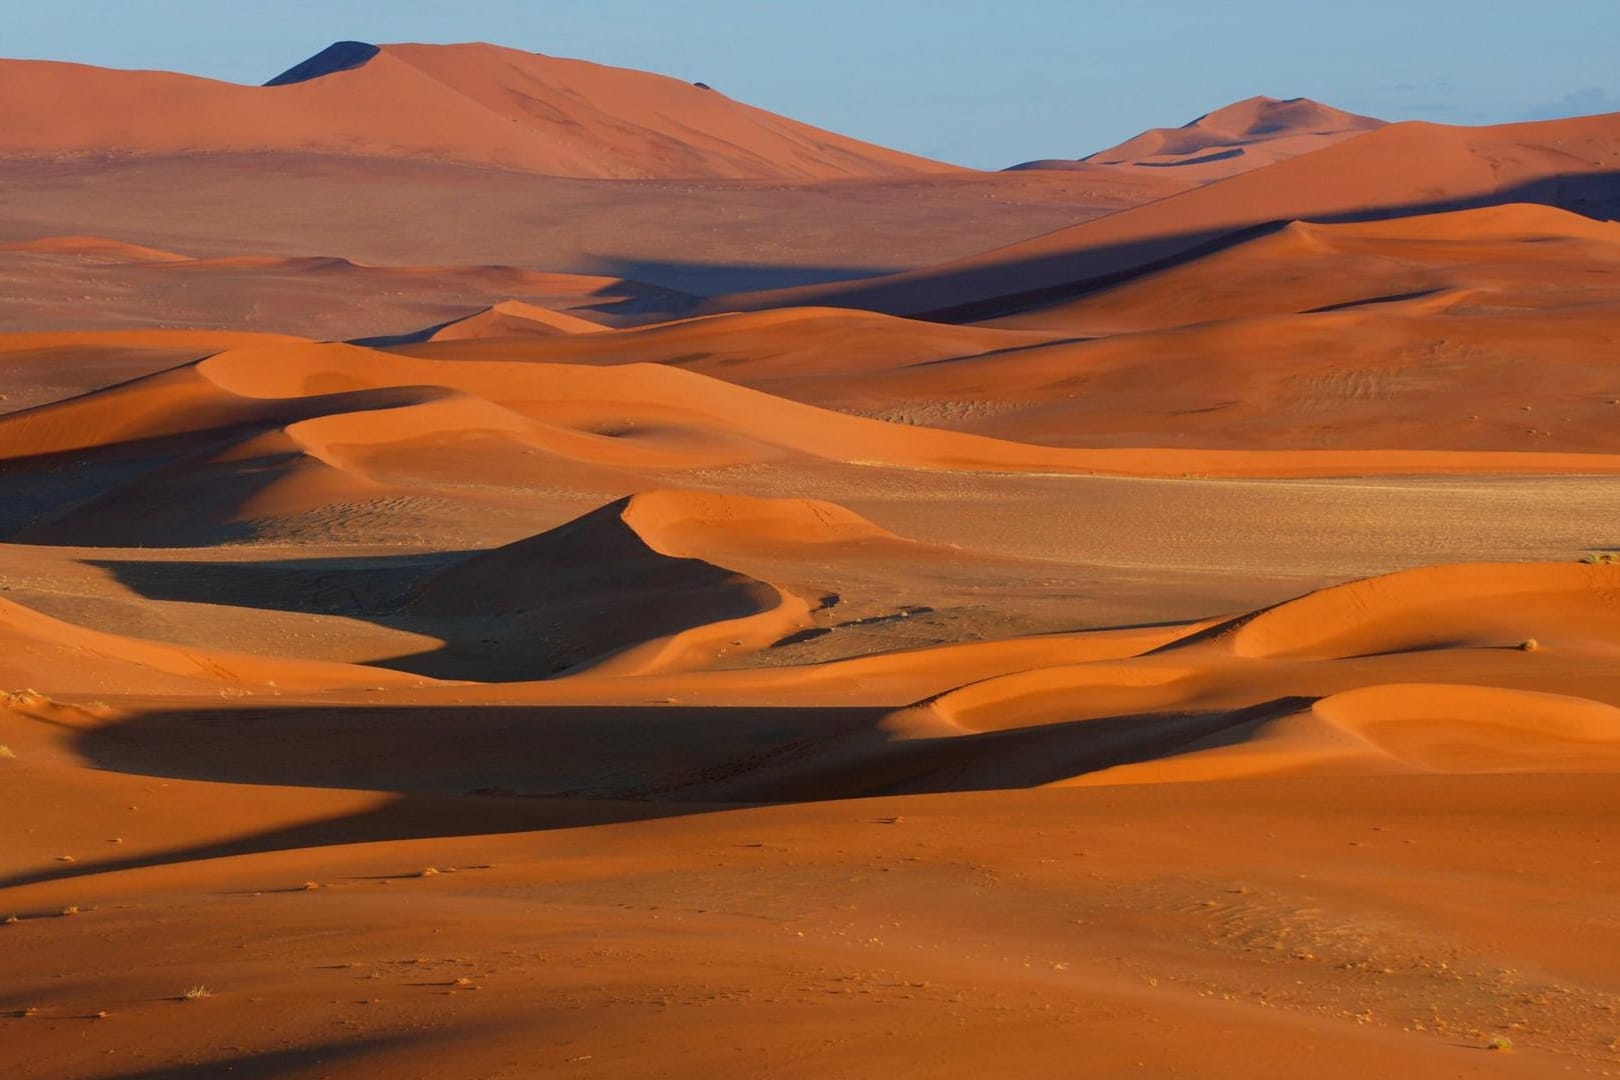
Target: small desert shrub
<point>71,909</point>
<point>1499,1042</point>
<point>428,871</point>
<point>1529,644</point>
<point>5,751</point>
<point>196,993</point>
<point>1595,558</point>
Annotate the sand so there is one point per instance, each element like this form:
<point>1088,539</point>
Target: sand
<point>648,638</point>
<point>1245,135</point>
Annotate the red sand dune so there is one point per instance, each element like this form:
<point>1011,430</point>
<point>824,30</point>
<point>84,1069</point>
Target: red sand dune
<point>754,348</point>
<point>98,248</point>
<point>632,588</point>
<point>1523,655</point>
<point>1237,138</point>
<point>1400,169</point>
<point>78,283</point>
<point>708,772</point>
<point>1520,255</point>
<point>477,104</point>
<point>255,433</point>
<point>1412,333</point>
<point>513,318</point>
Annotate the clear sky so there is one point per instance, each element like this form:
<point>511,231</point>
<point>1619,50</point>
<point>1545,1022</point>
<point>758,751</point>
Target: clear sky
<point>986,84</point>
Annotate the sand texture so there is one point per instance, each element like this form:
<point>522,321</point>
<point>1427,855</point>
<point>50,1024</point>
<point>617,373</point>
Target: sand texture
<point>511,567</point>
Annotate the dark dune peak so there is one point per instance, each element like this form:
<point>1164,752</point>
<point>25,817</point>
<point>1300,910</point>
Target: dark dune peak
<point>338,56</point>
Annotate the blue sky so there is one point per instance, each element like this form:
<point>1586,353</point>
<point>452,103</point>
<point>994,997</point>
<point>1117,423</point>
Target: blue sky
<point>978,83</point>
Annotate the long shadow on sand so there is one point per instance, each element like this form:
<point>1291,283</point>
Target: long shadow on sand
<point>373,588</point>
<point>465,770</point>
<point>268,1064</point>
<point>1079,272</point>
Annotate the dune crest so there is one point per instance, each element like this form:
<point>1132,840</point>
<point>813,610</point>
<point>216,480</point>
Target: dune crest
<point>1484,605</point>
<point>472,103</point>
<point>1400,728</point>
<point>1393,171</point>
<point>514,318</point>
<point>630,588</point>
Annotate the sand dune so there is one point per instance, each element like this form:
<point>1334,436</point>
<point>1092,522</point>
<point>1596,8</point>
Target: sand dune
<point>1400,169</point>
<point>681,593</point>
<point>513,318</point>
<point>1237,138</point>
<point>347,423</point>
<point>294,427</point>
<point>1403,728</point>
<point>72,283</point>
<point>1515,256</point>
<point>759,347</point>
<point>1415,333</point>
<point>1478,606</point>
<point>63,658</point>
<point>477,104</point>
<point>631,588</point>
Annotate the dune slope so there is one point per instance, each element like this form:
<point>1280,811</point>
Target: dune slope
<point>477,104</point>
<point>1396,170</point>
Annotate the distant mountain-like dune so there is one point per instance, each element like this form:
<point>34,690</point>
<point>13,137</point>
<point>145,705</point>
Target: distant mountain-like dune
<point>1242,136</point>
<point>473,104</point>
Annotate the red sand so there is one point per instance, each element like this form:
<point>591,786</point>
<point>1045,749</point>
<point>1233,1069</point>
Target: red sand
<point>1245,135</point>
<point>1189,671</point>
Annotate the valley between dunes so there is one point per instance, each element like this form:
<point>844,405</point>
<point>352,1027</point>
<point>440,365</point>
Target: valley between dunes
<point>1186,643</point>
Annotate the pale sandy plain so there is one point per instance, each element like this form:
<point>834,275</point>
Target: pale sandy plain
<point>515,568</point>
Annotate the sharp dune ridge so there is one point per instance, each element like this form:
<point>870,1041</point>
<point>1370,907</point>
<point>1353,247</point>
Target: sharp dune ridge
<point>513,566</point>
<point>472,103</point>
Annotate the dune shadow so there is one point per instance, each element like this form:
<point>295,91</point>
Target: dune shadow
<point>1368,301</point>
<point>471,770</point>
<point>704,279</point>
<point>406,817</point>
<point>1081,272</point>
<point>376,589</point>
<point>270,1064</point>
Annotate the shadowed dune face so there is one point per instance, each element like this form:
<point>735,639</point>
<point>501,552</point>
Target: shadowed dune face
<point>628,589</point>
<point>1473,329</point>
<point>1395,171</point>
<point>225,447</point>
<point>1193,703</point>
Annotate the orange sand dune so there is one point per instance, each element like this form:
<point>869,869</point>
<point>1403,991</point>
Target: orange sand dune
<point>527,670</point>
<point>631,588</point>
<point>1396,170</point>
<point>356,407</point>
<point>354,422</point>
<point>39,368</point>
<point>1237,138</point>
<point>42,652</point>
<point>1487,605</point>
<point>51,283</point>
<point>473,103</point>
<point>1402,728</point>
<point>1447,371</point>
<point>754,348</point>
<point>93,247</point>
<point>513,318</point>
<point>1123,877</point>
<point>1519,255</point>
<point>1473,329</point>
<point>1245,698</point>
